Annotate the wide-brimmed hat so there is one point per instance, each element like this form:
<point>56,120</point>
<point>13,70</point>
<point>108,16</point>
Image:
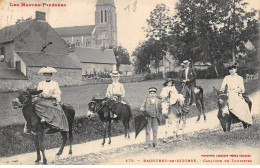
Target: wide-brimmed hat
<point>233,65</point>
<point>168,80</point>
<point>185,62</point>
<point>47,70</point>
<point>152,89</point>
<point>114,74</point>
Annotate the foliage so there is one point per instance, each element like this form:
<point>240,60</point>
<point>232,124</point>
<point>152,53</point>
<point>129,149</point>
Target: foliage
<point>211,30</point>
<point>122,55</point>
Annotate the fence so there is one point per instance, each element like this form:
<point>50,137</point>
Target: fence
<point>251,77</point>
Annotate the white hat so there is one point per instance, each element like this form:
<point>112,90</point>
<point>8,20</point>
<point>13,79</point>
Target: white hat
<point>152,89</point>
<point>114,73</point>
<point>47,70</point>
<point>185,62</point>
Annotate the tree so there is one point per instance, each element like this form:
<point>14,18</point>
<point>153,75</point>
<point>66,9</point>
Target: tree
<point>159,22</point>
<point>122,55</point>
<point>210,30</point>
<point>22,20</point>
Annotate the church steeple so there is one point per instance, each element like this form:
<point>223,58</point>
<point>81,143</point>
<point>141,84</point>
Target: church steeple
<point>106,22</point>
<point>105,2</point>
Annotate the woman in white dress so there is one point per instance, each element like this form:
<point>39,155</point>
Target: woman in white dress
<point>235,88</point>
<point>48,106</point>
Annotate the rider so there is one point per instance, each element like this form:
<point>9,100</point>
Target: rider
<point>170,97</point>
<point>188,77</point>
<point>47,105</point>
<point>116,90</point>
<point>235,87</point>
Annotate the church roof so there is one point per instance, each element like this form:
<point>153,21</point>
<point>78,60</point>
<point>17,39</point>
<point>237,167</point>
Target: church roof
<point>9,33</point>
<point>95,55</point>
<point>75,30</point>
<point>52,60</point>
<point>105,2</point>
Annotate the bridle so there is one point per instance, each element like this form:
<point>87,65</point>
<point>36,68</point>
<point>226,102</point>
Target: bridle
<point>95,109</point>
<point>222,94</point>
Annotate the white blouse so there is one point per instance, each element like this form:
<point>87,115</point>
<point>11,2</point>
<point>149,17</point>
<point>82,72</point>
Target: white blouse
<point>115,88</point>
<point>234,83</point>
<point>50,89</point>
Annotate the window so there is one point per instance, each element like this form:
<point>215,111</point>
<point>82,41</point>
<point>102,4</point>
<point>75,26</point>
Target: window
<point>101,16</point>
<point>2,54</point>
<point>105,15</point>
<point>77,43</point>
<point>87,43</point>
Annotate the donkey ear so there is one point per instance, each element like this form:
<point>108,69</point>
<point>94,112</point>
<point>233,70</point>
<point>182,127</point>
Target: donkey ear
<point>93,98</point>
<point>35,92</point>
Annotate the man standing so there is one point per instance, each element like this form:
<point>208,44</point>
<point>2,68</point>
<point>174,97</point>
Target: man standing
<point>188,76</point>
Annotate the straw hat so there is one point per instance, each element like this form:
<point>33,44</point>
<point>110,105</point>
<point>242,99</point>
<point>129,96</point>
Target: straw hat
<point>185,62</point>
<point>47,70</point>
<point>114,74</point>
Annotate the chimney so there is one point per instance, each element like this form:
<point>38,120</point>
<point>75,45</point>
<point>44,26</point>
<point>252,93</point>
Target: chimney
<point>40,16</point>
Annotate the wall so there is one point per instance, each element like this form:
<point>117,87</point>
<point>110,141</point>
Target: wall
<point>64,77</point>
<point>23,66</point>
<point>89,68</point>
<point>9,48</point>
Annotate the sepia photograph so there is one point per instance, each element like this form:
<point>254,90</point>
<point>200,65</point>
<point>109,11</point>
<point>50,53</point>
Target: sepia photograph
<point>129,82</point>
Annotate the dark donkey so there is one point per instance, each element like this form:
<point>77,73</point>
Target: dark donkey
<point>104,109</point>
<point>198,98</point>
<point>226,118</point>
<point>24,101</point>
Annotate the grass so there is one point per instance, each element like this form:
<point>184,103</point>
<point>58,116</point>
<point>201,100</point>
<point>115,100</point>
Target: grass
<point>13,141</point>
<point>203,142</point>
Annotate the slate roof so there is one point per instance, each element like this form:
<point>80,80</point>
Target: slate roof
<point>56,61</point>
<point>75,30</point>
<point>95,55</point>
<point>12,74</point>
<point>10,32</point>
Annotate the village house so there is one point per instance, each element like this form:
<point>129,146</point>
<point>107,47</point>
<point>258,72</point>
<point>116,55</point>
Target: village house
<point>30,45</point>
<point>96,61</point>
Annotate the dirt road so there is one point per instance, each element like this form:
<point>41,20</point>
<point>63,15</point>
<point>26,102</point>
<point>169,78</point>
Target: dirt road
<point>200,143</point>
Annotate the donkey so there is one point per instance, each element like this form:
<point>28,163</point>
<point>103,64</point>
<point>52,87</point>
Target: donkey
<point>227,118</point>
<point>104,110</point>
<point>24,101</point>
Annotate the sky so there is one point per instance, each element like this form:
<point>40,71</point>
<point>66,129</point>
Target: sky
<point>130,23</point>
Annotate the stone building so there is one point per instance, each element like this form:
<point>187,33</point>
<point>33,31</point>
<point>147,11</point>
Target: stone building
<point>96,61</point>
<point>30,45</point>
<point>102,34</point>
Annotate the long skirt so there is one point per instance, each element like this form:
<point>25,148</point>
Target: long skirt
<point>53,115</point>
<point>238,106</point>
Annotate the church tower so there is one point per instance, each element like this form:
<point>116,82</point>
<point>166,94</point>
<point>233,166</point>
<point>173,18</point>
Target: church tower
<point>106,23</point>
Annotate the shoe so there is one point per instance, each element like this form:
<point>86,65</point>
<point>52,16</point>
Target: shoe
<point>193,104</point>
<point>43,120</point>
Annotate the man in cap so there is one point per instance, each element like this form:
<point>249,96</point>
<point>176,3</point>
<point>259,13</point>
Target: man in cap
<point>151,108</point>
<point>188,76</point>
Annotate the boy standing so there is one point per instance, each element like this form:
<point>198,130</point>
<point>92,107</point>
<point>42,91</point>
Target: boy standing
<point>151,108</point>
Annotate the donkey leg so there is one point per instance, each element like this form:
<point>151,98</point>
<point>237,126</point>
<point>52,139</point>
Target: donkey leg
<point>104,133</point>
<point>42,148</point>
<point>36,141</point>
<point>125,126</point>
<point>199,110</point>
<point>128,130</point>
<point>70,138</point>
<point>64,140</point>
<point>109,133</point>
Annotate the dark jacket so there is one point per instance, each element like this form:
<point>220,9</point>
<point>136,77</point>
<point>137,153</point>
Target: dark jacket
<point>145,108</point>
<point>191,76</point>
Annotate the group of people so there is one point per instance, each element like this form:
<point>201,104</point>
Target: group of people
<point>49,110</point>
